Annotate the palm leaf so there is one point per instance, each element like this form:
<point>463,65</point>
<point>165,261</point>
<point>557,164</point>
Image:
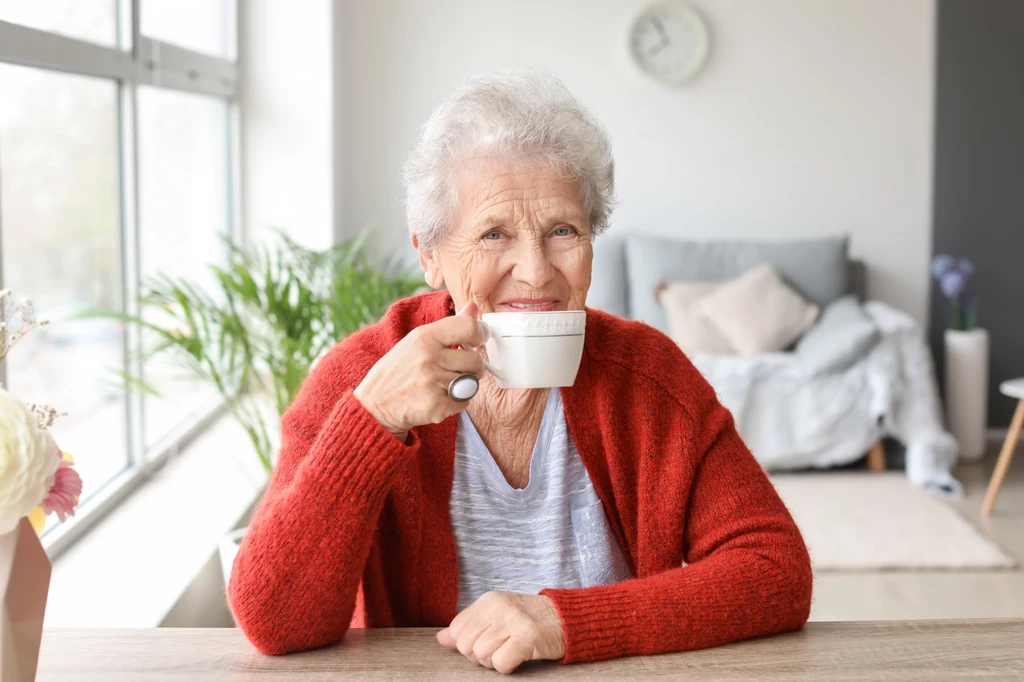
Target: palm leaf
<point>270,312</point>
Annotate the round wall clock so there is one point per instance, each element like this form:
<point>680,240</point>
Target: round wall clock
<point>669,41</point>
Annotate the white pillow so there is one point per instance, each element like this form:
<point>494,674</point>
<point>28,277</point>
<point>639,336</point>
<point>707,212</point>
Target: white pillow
<point>692,332</point>
<point>757,313</point>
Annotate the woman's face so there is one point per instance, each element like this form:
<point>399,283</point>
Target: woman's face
<point>521,241</point>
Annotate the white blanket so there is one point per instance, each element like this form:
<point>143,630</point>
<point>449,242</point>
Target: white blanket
<point>791,421</point>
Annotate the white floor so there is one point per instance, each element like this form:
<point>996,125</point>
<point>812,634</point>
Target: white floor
<point>941,594</point>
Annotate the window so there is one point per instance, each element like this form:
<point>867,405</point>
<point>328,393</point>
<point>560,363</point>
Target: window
<point>205,26</point>
<point>61,220</point>
<point>184,213</point>
<point>116,163</point>
<point>91,20</point>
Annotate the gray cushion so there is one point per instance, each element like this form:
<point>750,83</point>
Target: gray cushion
<point>817,269</point>
<point>843,335</point>
<point>608,288</point>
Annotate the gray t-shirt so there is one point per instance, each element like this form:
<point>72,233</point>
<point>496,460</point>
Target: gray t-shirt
<point>552,533</point>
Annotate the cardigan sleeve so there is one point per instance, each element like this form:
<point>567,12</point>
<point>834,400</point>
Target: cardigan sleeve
<point>294,582</point>
<point>747,569</point>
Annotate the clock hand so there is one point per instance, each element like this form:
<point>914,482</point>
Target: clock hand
<point>658,25</point>
<point>659,47</point>
<point>665,42</point>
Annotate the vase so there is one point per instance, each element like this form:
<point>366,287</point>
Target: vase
<point>967,390</point>
<point>24,582</point>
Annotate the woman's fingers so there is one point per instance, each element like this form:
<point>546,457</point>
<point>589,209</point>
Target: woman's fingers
<point>444,638</point>
<point>461,361</point>
<point>513,652</point>
<point>458,330</point>
<point>462,618</point>
<point>489,641</point>
<point>467,636</point>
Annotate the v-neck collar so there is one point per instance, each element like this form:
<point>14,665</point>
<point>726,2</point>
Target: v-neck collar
<point>541,448</point>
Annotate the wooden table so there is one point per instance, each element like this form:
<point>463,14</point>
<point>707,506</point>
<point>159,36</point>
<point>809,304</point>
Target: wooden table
<point>893,650</point>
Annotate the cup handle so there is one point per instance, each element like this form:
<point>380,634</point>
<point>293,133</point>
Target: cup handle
<point>487,335</point>
<point>488,366</point>
<point>492,369</point>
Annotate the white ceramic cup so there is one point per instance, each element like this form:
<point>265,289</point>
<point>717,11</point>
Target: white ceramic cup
<point>534,349</point>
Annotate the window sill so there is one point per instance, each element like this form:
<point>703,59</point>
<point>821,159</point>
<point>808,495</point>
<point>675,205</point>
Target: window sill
<point>132,568</point>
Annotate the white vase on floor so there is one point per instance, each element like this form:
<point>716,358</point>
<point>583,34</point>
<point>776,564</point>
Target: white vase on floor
<point>967,355</point>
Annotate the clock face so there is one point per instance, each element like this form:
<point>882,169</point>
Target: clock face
<point>669,41</point>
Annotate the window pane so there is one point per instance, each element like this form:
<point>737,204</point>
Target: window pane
<point>184,210</point>
<point>201,25</point>
<point>60,244</point>
<point>92,20</point>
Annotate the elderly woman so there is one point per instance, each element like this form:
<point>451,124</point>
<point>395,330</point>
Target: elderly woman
<point>622,515</point>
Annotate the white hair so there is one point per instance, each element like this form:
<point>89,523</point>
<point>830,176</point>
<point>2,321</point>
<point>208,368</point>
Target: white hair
<point>522,115</point>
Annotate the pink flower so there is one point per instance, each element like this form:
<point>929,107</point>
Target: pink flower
<point>67,488</point>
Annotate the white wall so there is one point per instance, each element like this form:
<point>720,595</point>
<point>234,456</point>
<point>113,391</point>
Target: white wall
<point>812,117</point>
<point>286,49</point>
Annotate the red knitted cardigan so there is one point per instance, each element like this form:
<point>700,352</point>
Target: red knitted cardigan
<point>354,526</point>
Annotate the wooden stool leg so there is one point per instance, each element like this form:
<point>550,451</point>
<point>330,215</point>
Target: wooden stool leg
<point>876,457</point>
<point>1003,465</point>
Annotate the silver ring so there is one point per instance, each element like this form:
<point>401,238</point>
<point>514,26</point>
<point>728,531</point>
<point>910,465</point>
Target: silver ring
<point>463,387</point>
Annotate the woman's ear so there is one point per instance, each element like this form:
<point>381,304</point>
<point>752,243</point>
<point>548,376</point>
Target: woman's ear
<point>431,268</point>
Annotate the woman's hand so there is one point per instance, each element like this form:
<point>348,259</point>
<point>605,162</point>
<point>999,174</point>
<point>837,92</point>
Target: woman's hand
<point>409,386</point>
<point>500,630</point>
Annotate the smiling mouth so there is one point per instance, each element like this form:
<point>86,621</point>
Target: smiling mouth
<point>534,305</point>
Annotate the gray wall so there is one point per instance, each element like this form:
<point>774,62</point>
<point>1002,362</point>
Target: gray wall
<point>979,173</point>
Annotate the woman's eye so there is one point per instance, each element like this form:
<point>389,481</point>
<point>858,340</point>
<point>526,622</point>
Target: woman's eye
<point>493,234</point>
<point>563,231</point>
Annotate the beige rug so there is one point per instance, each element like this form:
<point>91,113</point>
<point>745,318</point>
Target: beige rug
<point>859,521</point>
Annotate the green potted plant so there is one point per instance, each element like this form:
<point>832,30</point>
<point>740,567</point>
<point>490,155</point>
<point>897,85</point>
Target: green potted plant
<point>257,326</point>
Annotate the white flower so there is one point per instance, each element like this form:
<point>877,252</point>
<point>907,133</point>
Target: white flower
<point>28,461</point>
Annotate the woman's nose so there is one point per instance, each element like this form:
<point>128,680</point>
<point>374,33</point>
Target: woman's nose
<point>533,267</point>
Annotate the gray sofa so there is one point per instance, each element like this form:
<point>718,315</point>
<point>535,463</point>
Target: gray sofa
<point>627,269</point>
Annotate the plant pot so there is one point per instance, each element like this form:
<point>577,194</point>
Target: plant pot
<point>24,582</point>
<point>229,545</point>
<point>967,390</point>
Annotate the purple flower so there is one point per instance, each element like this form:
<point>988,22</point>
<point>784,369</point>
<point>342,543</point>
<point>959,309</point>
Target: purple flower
<point>942,264</point>
<point>953,283</point>
<point>965,267</point>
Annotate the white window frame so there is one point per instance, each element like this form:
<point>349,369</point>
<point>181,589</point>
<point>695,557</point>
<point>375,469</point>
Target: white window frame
<point>154,63</point>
